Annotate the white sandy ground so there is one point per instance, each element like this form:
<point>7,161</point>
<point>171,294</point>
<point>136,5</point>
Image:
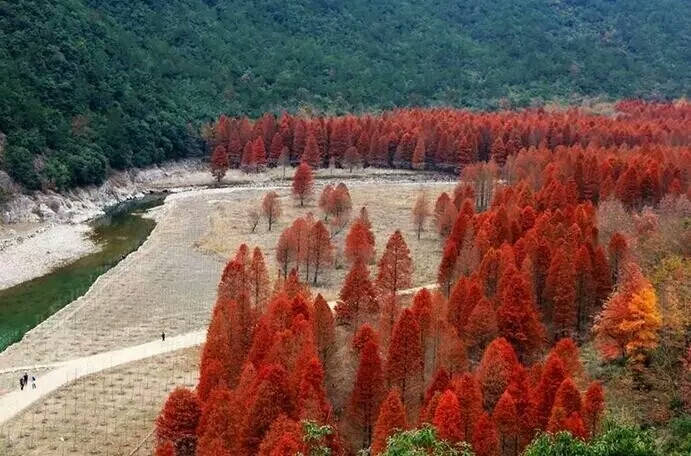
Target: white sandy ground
<point>43,251</point>
<point>64,372</point>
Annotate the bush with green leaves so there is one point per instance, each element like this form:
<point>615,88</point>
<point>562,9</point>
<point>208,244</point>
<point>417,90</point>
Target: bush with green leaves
<point>615,441</point>
<point>423,442</point>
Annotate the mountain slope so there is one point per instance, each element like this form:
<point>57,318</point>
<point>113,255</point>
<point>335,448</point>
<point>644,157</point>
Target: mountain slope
<point>87,84</point>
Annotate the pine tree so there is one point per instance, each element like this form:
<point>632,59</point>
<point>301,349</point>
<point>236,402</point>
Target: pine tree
<point>392,418</point>
<point>367,394</point>
<point>303,183</point>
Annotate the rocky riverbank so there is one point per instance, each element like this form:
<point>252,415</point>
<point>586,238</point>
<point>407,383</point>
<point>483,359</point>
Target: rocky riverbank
<point>44,230</point>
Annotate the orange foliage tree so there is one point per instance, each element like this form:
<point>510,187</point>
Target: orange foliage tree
<point>629,322</point>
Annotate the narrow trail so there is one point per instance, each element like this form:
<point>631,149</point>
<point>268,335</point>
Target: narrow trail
<point>65,372</point>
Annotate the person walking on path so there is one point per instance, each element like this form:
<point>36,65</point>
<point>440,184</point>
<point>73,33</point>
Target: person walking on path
<point>163,336</point>
<point>21,383</point>
<point>26,379</point>
<point>33,382</point>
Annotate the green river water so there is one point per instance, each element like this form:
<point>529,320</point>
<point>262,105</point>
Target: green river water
<point>118,233</point>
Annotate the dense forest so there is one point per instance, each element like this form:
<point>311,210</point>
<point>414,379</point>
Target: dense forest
<point>89,85</point>
<point>559,323</point>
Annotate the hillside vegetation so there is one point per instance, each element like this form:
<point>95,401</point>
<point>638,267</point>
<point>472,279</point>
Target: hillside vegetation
<point>90,84</point>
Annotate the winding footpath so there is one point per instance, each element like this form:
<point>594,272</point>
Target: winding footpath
<point>11,404</point>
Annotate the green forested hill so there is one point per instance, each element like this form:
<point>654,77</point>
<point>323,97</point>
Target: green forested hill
<point>91,84</point>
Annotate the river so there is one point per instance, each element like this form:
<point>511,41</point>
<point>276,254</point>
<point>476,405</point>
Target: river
<point>118,233</point>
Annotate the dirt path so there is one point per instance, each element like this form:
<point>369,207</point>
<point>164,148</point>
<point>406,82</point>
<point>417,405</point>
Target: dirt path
<point>16,401</point>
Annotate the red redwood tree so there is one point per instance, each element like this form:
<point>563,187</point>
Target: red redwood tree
<point>368,392</point>
<point>518,320</point>
<point>177,422</point>
<point>282,426</point>
<point>470,401</point>
<point>259,280</point>
<point>395,266</point>
<point>392,418</point>
<point>447,267</point>
<point>561,295</point>
<point>506,420</point>
<point>447,417</point>
<point>495,371</point>
<point>568,398</point>
<point>481,328</point>
<point>404,366</point>
<point>219,162</point>
<point>359,244</point>
<point>593,407</point>
<point>546,390</point>
<point>358,299</point>
<point>311,403</point>
<point>311,155</point>
<point>303,183</point>
<point>320,250</point>
<point>485,441</point>
<point>323,329</point>
<point>272,398</point>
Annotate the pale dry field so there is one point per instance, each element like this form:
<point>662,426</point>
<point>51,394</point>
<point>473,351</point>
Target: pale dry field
<point>110,413</point>
<point>389,207</point>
